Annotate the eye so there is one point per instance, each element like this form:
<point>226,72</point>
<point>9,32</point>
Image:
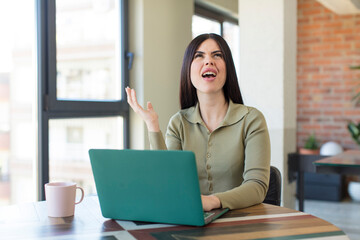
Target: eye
<point>197,55</point>
<point>218,55</point>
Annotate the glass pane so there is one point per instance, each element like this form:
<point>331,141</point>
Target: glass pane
<point>202,25</point>
<point>70,141</point>
<point>88,50</point>
<point>17,102</point>
<point>231,35</point>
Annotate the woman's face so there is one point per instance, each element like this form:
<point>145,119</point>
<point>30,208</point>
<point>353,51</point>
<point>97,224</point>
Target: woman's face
<point>208,68</point>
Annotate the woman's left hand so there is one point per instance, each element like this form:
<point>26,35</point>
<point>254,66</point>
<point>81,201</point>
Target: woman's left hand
<point>210,202</point>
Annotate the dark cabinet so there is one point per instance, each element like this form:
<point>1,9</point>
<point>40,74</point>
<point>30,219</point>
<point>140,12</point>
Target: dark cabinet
<point>320,186</point>
<point>312,185</point>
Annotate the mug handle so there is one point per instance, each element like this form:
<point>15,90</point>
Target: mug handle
<point>82,195</point>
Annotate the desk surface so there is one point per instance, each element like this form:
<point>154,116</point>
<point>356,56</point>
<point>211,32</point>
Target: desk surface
<point>347,162</point>
<point>30,221</point>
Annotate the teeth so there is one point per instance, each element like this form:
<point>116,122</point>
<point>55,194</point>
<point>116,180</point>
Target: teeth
<point>209,74</point>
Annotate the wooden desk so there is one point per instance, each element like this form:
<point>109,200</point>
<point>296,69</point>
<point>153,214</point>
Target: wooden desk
<point>30,221</point>
<point>347,162</point>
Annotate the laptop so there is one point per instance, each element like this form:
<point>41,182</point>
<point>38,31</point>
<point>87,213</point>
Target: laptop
<point>149,186</point>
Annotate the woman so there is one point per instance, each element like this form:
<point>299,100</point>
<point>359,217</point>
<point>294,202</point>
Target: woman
<point>230,141</point>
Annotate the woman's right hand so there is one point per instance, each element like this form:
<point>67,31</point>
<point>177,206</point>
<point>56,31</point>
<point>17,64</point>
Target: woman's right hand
<point>148,115</point>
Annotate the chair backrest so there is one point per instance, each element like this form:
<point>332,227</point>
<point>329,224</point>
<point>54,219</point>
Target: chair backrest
<point>273,195</point>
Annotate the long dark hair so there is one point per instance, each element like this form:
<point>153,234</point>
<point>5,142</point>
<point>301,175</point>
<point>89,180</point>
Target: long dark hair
<point>188,97</point>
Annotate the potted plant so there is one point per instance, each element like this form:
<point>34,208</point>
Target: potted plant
<point>356,97</point>
<point>354,129</point>
<point>311,146</point>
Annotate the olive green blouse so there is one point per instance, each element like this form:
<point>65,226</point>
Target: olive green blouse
<point>233,161</point>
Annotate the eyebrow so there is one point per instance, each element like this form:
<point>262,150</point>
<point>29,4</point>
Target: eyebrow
<point>216,51</point>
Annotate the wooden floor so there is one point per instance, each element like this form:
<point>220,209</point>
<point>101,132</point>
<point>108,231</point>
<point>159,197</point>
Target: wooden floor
<point>345,214</point>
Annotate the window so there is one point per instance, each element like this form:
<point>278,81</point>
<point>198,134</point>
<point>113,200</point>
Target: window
<point>88,50</point>
<point>202,25</point>
<point>83,45</point>
<point>17,101</point>
<point>63,69</point>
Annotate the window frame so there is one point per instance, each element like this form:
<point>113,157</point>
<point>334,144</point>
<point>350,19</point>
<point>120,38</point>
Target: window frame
<point>49,107</point>
<point>214,15</point>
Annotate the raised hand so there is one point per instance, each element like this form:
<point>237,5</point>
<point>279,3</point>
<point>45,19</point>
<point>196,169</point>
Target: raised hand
<point>148,115</point>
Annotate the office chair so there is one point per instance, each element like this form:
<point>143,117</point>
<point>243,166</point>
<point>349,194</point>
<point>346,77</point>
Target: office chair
<point>273,195</point>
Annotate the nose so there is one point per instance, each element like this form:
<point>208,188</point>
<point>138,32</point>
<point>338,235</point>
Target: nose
<point>208,61</point>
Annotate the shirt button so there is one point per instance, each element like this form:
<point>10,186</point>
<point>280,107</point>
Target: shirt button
<point>209,178</point>
<point>208,155</point>
<point>208,167</point>
<point>211,188</point>
<point>210,144</point>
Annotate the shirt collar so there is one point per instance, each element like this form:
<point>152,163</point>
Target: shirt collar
<point>234,114</point>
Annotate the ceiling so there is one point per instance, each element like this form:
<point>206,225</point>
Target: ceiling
<point>342,7</point>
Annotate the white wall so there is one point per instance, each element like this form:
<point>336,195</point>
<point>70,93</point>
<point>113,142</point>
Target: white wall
<point>159,31</point>
<point>268,74</point>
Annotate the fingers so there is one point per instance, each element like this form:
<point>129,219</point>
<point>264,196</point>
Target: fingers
<point>205,203</point>
<point>210,202</point>
<point>131,99</point>
<point>150,106</point>
<point>148,115</point>
<point>133,96</point>
<point>128,93</point>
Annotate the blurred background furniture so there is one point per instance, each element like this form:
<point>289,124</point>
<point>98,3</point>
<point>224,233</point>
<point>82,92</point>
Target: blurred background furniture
<point>312,185</point>
<point>347,162</point>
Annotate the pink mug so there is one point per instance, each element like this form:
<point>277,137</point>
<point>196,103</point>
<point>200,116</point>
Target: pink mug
<point>60,198</point>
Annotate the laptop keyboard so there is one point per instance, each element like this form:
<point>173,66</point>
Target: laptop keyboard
<point>208,214</point>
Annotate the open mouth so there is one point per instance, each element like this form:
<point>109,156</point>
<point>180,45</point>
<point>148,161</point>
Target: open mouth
<point>208,75</point>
